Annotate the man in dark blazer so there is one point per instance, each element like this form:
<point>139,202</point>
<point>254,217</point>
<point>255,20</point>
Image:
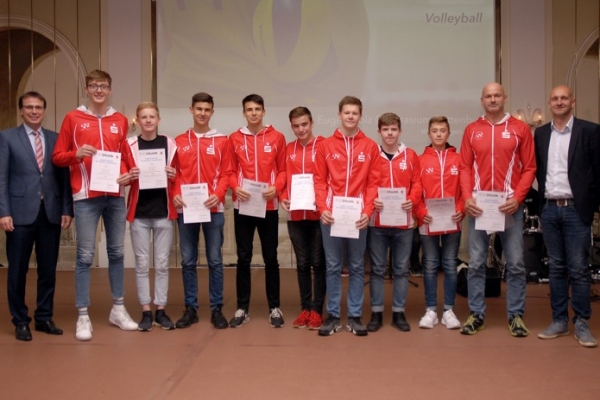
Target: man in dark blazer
<point>567,151</point>
<point>35,203</point>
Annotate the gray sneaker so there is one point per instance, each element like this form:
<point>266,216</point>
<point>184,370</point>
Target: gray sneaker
<point>355,326</point>
<point>330,326</point>
<point>556,329</point>
<point>162,319</point>
<point>145,324</point>
<point>583,334</point>
<point>239,318</point>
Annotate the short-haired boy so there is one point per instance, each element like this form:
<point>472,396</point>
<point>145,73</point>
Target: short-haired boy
<point>259,156</point>
<point>399,168</point>
<point>346,166</point>
<point>84,131</point>
<point>150,213</point>
<point>303,225</point>
<point>203,156</point>
<point>440,177</point>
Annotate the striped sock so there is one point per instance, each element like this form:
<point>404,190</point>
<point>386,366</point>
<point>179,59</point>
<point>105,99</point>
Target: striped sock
<point>119,302</point>
<point>82,311</point>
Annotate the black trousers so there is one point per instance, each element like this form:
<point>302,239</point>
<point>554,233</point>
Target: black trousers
<point>268,229</point>
<point>19,245</point>
<point>307,241</point>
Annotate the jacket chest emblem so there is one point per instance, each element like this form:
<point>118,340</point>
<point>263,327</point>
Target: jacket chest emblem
<point>114,129</point>
<point>361,157</point>
<point>454,170</point>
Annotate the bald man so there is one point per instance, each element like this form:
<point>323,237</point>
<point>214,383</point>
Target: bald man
<point>497,155</point>
<point>567,151</point>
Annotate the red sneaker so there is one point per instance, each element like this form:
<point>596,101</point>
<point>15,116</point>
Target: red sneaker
<point>315,321</point>
<point>302,319</point>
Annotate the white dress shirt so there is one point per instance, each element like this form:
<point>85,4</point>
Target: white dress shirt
<point>557,177</point>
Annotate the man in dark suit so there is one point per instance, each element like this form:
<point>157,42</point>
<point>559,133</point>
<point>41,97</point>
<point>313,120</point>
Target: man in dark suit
<point>35,203</point>
<point>568,158</point>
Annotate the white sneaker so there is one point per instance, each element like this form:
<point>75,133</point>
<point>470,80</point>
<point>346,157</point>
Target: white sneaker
<point>429,320</point>
<point>84,328</point>
<point>450,320</point>
<point>119,317</point>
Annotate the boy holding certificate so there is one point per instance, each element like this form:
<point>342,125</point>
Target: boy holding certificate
<point>304,229</point>
<point>203,166</point>
<point>90,142</point>
<point>150,212</point>
<point>391,226</point>
<point>346,180</point>
<point>439,215</point>
<point>258,178</point>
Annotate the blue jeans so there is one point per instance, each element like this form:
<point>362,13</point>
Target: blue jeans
<point>189,234</point>
<point>87,214</point>
<point>399,241</point>
<point>433,253</point>
<point>512,243</point>
<point>567,240</point>
<point>334,259</point>
<point>161,231</point>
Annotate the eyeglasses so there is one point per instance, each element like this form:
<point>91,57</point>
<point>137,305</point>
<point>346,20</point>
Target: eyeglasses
<point>31,108</point>
<point>95,87</point>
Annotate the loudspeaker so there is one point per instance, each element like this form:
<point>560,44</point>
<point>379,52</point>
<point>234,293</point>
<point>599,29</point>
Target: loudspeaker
<point>534,256</point>
<point>493,281</point>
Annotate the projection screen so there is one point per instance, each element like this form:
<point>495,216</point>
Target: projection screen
<point>415,58</point>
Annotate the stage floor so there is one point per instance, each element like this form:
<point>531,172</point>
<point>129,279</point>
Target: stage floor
<point>259,362</point>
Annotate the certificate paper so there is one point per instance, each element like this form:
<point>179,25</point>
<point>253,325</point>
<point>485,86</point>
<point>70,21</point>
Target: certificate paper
<point>441,211</point>
<point>303,192</point>
<point>392,213</point>
<point>106,167</point>
<point>256,205</point>
<point>194,197</point>
<point>345,212</point>
<point>152,169</point>
<point>491,220</point>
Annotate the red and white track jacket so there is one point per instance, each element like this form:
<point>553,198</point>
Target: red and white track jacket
<point>401,172</point>
<point>300,160</point>
<point>440,177</point>
<point>259,157</point>
<point>80,126</point>
<point>497,157</point>
<point>204,158</point>
<point>347,166</point>
<point>134,190</point>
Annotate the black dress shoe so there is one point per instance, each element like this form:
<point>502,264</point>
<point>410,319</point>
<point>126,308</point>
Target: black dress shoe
<point>23,333</point>
<point>48,327</point>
